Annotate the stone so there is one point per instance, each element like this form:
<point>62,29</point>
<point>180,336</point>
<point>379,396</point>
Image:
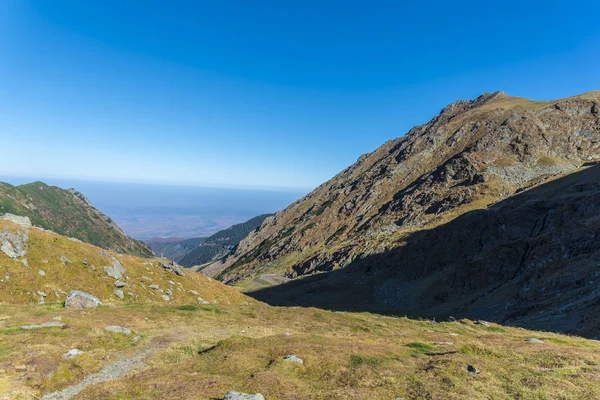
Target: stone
<point>25,262</point>
<point>119,294</point>
<point>79,299</point>
<point>40,293</point>
<point>72,353</point>
<point>472,369</point>
<point>52,324</point>
<point>118,329</point>
<point>25,222</point>
<point>202,301</point>
<point>243,396</point>
<point>64,260</point>
<point>120,284</point>
<point>165,297</point>
<point>13,244</point>
<point>172,266</point>
<point>41,272</point>
<point>534,340</point>
<point>116,270</point>
<point>294,359</point>
<point>194,292</point>
<point>136,339</point>
<point>484,323</point>
<point>154,286</point>
<point>147,278</point>
<point>168,292</point>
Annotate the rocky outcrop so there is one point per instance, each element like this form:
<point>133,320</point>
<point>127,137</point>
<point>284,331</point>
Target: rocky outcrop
<point>79,299</point>
<point>472,155</point>
<point>115,270</point>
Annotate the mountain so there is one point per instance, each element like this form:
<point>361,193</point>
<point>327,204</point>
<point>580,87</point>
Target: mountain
<point>173,248</point>
<point>222,243</point>
<point>42,266</point>
<point>68,213</point>
<point>473,156</point>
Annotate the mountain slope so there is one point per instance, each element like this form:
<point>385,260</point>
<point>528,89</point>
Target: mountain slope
<point>472,155</point>
<point>68,213</point>
<point>222,243</point>
<point>37,265</point>
<point>173,248</point>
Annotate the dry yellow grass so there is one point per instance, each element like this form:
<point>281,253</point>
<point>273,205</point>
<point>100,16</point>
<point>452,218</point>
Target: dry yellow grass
<point>204,351</point>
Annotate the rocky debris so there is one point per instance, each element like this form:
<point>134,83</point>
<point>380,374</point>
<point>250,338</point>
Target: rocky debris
<point>202,301</point>
<point>293,359</point>
<point>154,286</point>
<point>194,292</point>
<point>118,329</point>
<point>534,340</point>
<point>24,222</point>
<point>72,353</point>
<point>165,297</point>
<point>172,266</point>
<point>136,339</point>
<point>116,270</point>
<point>146,278</point>
<point>169,292</point>
<point>243,396</point>
<point>25,262</point>
<point>484,323</point>
<point>472,369</point>
<point>52,324</point>
<point>80,299</point>
<point>41,272</point>
<point>14,244</point>
<point>120,284</point>
<point>119,294</point>
<point>40,293</point>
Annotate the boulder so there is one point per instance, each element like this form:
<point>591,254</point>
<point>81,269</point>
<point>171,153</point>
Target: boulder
<point>534,340</point>
<point>79,299</point>
<point>13,244</point>
<point>172,266</point>
<point>25,222</point>
<point>243,396</point>
<point>116,270</point>
<point>120,284</point>
<point>119,294</point>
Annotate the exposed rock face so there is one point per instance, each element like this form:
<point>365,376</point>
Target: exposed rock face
<point>243,396</point>
<point>79,299</point>
<point>473,154</point>
<point>13,243</point>
<point>116,270</point>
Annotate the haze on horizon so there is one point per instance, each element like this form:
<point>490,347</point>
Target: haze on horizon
<point>268,94</point>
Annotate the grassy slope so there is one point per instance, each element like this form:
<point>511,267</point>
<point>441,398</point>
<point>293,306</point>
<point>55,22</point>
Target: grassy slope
<point>202,353</point>
<point>62,211</point>
<point>85,272</point>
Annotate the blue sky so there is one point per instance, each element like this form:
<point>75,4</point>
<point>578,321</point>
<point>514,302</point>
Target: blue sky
<point>262,93</point>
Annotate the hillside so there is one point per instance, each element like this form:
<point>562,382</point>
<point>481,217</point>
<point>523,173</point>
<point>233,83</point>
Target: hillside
<point>68,213</point>
<point>38,266</point>
<point>221,244</point>
<point>173,248</point>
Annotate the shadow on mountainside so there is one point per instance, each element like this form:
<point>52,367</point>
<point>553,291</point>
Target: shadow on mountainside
<point>531,260</point>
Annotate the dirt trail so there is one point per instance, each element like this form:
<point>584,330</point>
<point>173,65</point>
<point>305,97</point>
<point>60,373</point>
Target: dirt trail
<point>115,370</point>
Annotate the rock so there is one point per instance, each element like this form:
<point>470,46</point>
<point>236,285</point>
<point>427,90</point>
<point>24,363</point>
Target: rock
<point>79,299</point>
<point>41,272</point>
<point>202,301</point>
<point>243,396</point>
<point>13,244</point>
<point>171,283</point>
<point>165,297</point>
<point>119,294</point>
<point>294,359</point>
<point>43,294</point>
<point>64,260</point>
<point>136,339</point>
<point>120,284</point>
<point>118,329</point>
<point>534,340</point>
<point>484,323</point>
<point>194,292</point>
<point>52,324</point>
<point>25,262</point>
<point>25,222</point>
<point>72,353</point>
<point>168,292</point>
<point>147,278</point>
<point>472,369</point>
<point>172,266</point>
<point>154,286</point>
<point>116,270</point>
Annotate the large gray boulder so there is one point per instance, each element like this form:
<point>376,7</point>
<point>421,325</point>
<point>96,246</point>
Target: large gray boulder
<point>172,266</point>
<point>79,299</point>
<point>25,222</point>
<point>116,270</point>
<point>243,396</point>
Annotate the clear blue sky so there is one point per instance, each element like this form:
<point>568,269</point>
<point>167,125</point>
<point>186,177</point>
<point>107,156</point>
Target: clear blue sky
<point>262,93</point>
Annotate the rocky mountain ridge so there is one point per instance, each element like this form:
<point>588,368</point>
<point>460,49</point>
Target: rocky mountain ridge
<point>69,213</point>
